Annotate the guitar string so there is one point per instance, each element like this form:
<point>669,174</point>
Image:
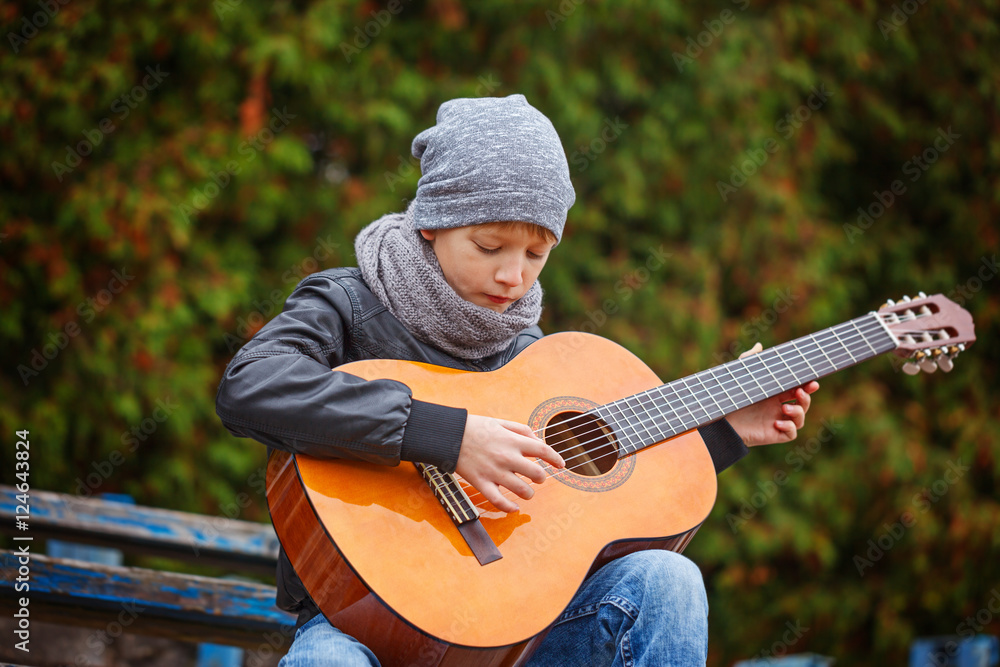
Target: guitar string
<point>732,382</point>
<point>849,344</point>
<point>727,383</point>
<point>833,334</point>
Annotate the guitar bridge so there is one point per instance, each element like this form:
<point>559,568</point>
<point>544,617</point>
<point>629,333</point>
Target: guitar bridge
<point>463,513</point>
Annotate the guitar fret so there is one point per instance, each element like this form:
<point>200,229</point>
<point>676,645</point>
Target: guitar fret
<point>679,428</point>
<point>855,325</point>
<point>747,399</point>
<point>846,349</point>
<point>708,391</point>
<point>743,367</point>
<point>629,445</point>
<point>805,358</point>
<point>819,361</point>
<point>781,358</point>
<point>770,380</point>
<point>673,387</point>
<point>638,418</point>
<point>660,418</point>
<point>695,400</point>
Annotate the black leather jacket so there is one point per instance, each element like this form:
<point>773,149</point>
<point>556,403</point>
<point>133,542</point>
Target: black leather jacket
<point>279,390</point>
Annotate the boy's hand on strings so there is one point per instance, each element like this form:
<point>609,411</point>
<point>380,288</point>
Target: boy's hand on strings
<point>493,450</point>
<point>776,419</point>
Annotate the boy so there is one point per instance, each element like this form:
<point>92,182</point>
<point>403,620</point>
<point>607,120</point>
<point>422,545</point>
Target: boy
<point>453,282</point>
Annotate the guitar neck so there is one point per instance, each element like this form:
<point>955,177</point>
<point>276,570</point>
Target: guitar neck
<point>654,415</point>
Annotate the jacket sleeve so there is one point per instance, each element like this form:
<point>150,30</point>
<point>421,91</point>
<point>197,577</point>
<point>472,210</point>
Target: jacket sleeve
<point>279,389</point>
<point>724,444</point>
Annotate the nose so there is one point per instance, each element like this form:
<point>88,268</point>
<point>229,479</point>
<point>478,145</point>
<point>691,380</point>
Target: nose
<point>510,273</point>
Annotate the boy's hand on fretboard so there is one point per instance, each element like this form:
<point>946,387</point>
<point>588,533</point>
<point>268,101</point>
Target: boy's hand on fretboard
<point>777,419</point>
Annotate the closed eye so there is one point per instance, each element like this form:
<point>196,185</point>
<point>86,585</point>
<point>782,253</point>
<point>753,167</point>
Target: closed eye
<point>493,251</point>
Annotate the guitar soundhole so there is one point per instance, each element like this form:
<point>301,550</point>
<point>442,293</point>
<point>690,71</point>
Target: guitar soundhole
<point>584,442</point>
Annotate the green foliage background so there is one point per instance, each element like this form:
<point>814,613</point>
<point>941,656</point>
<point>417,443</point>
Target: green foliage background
<point>210,264</point>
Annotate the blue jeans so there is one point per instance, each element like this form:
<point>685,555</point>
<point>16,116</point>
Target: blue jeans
<point>647,609</point>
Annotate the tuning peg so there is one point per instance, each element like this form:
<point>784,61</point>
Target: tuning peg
<point>906,299</point>
<point>888,302</point>
<point>944,363</point>
<point>911,368</point>
<point>928,366</point>
<point>921,295</point>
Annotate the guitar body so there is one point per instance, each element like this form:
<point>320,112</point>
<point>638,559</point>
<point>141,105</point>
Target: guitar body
<point>386,564</point>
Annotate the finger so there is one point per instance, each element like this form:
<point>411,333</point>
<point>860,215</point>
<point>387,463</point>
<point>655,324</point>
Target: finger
<point>788,395</point>
<point>796,413</point>
<point>803,399</point>
<point>517,486</point>
<point>757,347</point>
<point>538,449</point>
<point>529,469</point>
<point>793,394</point>
<point>786,427</point>
<point>517,427</point>
<point>493,494</point>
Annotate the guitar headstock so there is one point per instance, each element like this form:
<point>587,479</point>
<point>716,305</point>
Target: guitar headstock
<point>930,331</point>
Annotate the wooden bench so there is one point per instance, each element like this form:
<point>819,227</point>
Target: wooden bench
<point>167,604</point>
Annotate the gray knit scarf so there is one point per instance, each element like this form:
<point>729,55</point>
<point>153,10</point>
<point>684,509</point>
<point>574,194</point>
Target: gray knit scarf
<point>402,270</point>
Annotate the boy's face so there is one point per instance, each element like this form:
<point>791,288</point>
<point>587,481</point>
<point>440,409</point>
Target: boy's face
<point>489,266</point>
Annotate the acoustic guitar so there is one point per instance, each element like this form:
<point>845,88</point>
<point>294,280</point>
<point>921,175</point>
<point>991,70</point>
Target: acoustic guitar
<point>414,563</point>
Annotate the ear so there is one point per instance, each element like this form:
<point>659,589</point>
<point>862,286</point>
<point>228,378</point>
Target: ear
<point>428,234</point>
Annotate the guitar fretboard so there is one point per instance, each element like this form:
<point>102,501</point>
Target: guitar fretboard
<point>654,415</point>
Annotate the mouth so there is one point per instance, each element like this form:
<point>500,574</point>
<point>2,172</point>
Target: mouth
<point>498,299</point>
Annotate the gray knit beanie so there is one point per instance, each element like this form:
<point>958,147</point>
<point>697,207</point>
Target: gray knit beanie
<point>489,160</point>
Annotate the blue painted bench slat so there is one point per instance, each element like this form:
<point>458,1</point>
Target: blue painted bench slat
<point>180,606</point>
<point>244,545</point>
